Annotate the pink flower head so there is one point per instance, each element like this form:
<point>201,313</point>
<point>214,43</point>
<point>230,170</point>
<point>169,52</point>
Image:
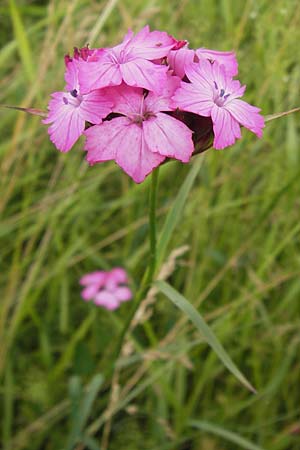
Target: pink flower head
<point>181,57</point>
<point>68,111</point>
<point>143,136</point>
<point>131,62</point>
<point>213,93</point>
<point>107,289</point>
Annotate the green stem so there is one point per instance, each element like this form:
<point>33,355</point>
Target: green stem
<point>149,273</point>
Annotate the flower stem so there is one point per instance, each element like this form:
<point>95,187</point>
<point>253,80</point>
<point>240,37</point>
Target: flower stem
<point>149,273</point>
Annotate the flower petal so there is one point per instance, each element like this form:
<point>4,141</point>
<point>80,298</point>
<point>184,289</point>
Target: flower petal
<point>144,74</point>
<point>67,123</point>
<point>98,74</point>
<point>168,137</point>
<point>95,106</point>
<point>97,277</point>
<point>123,294</point>
<point>178,59</point>
<point>123,141</point>
<point>107,300</point>
<point>247,115</point>
<point>150,44</point>
<point>227,58</point>
<point>194,98</point>
<point>226,129</point>
<point>134,155</point>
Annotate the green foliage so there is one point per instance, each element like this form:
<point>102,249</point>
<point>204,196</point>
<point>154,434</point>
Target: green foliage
<point>239,214</point>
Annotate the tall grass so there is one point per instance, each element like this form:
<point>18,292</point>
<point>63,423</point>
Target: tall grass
<point>60,219</point>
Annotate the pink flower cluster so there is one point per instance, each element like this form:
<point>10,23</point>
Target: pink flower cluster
<point>148,99</point>
<point>107,289</point>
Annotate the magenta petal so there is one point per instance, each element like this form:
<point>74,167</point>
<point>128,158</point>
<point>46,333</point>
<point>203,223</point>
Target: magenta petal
<point>179,59</point>
<point>194,98</point>
<point>151,44</point>
<point>227,58</point>
<point>95,106</point>
<point>71,75</point>
<point>103,141</point>
<point>163,102</point>
<point>144,74</point>
<point>247,115</point>
<point>98,74</point>
<point>118,275</point>
<point>93,277</point>
<point>67,123</point>
<point>123,294</point>
<point>126,99</point>
<point>107,300</point>
<point>226,129</point>
<point>135,157</point>
<point>169,137</point>
<point>123,141</point>
<point>89,292</point>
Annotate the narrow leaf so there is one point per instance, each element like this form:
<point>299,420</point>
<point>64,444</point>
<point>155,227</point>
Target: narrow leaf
<point>88,400</point>
<point>22,40</point>
<point>175,214</point>
<point>185,306</point>
<point>278,115</point>
<point>229,435</point>
<point>34,111</point>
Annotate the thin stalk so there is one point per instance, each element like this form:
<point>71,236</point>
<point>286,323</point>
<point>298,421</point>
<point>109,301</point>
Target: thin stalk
<point>149,273</point>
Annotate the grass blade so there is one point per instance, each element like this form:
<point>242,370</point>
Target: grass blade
<point>81,405</point>
<point>229,435</point>
<point>22,40</point>
<point>184,305</point>
<point>175,214</point>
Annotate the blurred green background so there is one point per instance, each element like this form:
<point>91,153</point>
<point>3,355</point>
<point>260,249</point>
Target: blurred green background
<point>61,219</point>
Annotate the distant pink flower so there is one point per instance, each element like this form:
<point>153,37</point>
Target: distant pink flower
<point>107,289</point>
<point>178,59</point>
<point>144,136</point>
<point>213,93</point>
<point>130,62</point>
<point>68,111</point>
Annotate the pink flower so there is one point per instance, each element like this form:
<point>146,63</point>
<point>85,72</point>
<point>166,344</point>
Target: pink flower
<point>68,111</point>
<point>130,61</point>
<point>143,136</point>
<point>180,58</point>
<point>213,93</point>
<point>106,289</point>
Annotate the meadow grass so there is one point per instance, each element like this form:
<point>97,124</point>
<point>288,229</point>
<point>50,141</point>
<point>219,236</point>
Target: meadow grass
<point>61,219</point>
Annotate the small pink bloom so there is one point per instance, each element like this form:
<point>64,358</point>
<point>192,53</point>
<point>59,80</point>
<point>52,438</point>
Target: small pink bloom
<point>107,289</point>
<point>68,111</point>
<point>130,61</point>
<point>213,93</point>
<point>144,136</point>
<point>178,59</point>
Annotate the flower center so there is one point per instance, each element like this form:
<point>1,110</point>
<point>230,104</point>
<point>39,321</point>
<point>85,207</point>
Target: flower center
<point>72,98</point>
<point>220,96</point>
<point>138,119</point>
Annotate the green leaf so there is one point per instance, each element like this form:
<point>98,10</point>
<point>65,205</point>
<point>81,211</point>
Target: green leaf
<point>81,405</point>
<point>229,435</point>
<point>175,214</point>
<point>185,306</point>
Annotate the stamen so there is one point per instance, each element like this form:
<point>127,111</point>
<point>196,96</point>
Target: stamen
<point>65,100</point>
<point>216,86</point>
<point>222,92</point>
<point>74,93</point>
<point>226,96</point>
